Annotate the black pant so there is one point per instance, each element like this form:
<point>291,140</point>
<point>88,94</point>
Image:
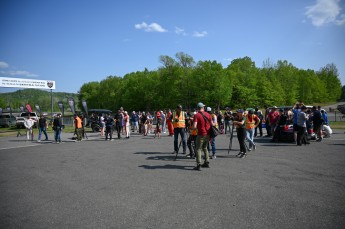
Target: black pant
<point>192,138</point>
<point>241,136</point>
<point>301,135</point>
<point>119,129</point>
<point>108,131</point>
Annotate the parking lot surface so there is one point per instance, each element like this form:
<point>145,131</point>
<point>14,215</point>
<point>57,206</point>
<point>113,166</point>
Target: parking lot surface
<point>136,183</point>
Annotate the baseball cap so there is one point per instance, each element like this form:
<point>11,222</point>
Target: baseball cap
<point>208,109</point>
<point>240,111</point>
<point>200,105</point>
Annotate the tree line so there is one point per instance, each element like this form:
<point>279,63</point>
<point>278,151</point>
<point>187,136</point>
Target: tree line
<point>33,97</point>
<point>180,80</point>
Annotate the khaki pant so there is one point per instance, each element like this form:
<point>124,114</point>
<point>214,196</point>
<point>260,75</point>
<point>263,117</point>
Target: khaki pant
<point>201,144</point>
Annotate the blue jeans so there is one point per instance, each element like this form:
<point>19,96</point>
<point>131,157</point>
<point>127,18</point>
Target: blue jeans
<point>213,146</point>
<point>250,137</point>
<point>182,132</point>
<point>44,130</point>
<point>58,134</point>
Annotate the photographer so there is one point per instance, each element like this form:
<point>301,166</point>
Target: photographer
<point>227,118</point>
<point>241,132</point>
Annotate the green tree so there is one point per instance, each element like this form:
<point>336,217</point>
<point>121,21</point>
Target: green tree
<point>330,77</point>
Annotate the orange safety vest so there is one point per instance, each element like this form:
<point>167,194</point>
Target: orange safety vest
<point>181,120</point>
<point>250,123</point>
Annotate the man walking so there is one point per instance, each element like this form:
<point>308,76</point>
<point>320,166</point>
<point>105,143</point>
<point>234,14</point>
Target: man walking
<point>42,127</point>
<point>78,127</point>
<point>29,123</point>
<point>202,122</point>
<point>179,122</point>
<point>57,127</point>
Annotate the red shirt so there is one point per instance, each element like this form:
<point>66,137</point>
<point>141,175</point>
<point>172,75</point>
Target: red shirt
<point>273,117</point>
<point>203,125</point>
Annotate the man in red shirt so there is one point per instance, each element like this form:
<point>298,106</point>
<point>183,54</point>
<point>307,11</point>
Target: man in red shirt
<point>202,122</point>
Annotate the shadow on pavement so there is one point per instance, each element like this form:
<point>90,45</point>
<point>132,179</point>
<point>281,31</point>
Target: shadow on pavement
<point>168,166</point>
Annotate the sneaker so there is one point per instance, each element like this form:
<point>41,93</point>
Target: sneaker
<point>239,154</point>
<point>197,168</point>
<point>250,149</point>
<point>112,140</point>
<point>243,155</point>
<point>38,140</point>
<point>205,165</point>
<point>211,157</point>
<point>214,156</point>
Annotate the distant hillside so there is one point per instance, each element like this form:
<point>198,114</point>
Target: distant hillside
<point>35,96</point>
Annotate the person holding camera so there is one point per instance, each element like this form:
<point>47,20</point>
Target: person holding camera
<point>241,132</point>
<point>179,123</point>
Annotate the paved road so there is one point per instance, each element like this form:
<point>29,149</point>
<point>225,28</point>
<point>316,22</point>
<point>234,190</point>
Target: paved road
<point>136,183</point>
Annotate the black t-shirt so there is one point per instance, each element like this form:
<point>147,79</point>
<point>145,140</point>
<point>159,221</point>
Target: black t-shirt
<point>282,120</point>
<point>57,122</point>
<point>227,115</point>
<point>42,122</point>
<point>143,119</point>
<point>118,118</point>
<point>109,121</point>
<point>317,118</point>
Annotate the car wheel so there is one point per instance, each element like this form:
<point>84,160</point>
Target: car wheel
<point>96,128</point>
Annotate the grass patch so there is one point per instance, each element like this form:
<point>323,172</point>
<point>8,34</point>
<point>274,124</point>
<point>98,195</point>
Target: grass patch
<point>12,132</point>
<point>337,125</point>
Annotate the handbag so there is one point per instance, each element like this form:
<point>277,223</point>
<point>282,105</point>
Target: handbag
<point>213,130</point>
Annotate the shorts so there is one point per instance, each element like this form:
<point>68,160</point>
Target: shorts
<point>317,128</point>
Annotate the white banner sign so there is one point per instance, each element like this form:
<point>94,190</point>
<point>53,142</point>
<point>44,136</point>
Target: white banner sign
<point>27,83</point>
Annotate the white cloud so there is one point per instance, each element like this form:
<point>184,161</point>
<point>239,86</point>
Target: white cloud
<point>324,12</point>
<point>153,27</point>
<point>21,73</point>
<point>180,31</point>
<point>200,34</point>
<point>4,64</point>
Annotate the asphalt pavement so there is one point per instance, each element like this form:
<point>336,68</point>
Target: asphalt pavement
<point>136,183</point>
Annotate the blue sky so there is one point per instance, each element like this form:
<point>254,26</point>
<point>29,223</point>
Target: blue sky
<point>75,42</point>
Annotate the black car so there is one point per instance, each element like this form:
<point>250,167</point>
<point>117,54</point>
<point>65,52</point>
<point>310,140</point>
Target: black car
<point>93,121</point>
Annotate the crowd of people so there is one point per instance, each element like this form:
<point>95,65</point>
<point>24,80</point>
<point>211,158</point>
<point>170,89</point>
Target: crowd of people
<point>194,127</point>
